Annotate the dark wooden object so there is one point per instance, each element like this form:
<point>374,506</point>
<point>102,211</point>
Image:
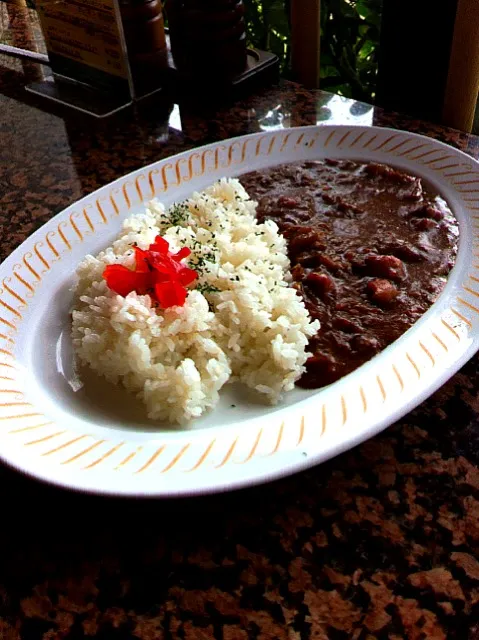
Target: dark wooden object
<point>208,36</point>
<point>416,40</point>
<point>462,85</point>
<point>305,41</point>
<point>144,29</point>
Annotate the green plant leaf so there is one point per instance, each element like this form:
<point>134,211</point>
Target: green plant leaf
<point>350,32</point>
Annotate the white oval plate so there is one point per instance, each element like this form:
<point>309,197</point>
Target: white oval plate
<point>96,439</point>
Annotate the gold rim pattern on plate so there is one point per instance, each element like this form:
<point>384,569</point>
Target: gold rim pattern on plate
<point>66,447</point>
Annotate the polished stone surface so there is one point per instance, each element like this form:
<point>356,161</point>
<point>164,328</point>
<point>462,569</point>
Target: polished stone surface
<point>381,542</point>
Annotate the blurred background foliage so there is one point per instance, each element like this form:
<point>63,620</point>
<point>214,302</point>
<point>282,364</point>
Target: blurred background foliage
<point>349,41</point>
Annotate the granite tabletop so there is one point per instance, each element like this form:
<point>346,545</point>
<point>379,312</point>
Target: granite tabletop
<point>380,542</point>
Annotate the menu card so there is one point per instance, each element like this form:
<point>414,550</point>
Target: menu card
<point>85,42</point>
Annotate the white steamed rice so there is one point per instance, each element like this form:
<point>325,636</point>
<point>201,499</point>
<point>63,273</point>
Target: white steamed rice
<point>244,322</point>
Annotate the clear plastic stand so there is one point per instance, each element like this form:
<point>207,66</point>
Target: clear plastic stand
<point>76,95</point>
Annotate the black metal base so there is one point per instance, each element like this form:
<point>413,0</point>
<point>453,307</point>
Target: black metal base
<point>261,70</point>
